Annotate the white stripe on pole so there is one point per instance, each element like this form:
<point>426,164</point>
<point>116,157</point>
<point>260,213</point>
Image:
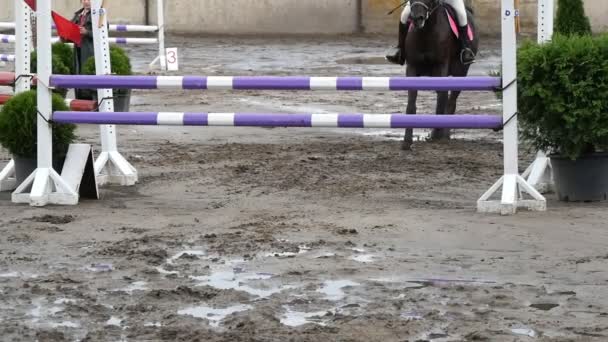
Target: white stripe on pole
<point>170,119</point>
<point>323,83</point>
<point>133,28</point>
<point>5,25</point>
<point>220,119</point>
<point>169,82</point>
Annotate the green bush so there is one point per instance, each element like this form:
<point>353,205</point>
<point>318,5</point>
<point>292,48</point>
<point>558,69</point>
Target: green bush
<point>563,87</point>
<point>65,52</point>
<point>119,62</point>
<point>58,68</point>
<point>571,18</point>
<point>18,126</point>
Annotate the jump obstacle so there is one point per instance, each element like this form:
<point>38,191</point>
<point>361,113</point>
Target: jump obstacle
<point>159,29</point>
<point>48,187</point>
<point>22,67</point>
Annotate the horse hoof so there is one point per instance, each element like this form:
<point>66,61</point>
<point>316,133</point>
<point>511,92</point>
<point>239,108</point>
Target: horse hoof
<point>406,146</point>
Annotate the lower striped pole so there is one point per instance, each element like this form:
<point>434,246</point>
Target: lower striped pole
<point>466,121</point>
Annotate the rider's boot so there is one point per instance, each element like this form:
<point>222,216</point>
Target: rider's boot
<point>397,54</point>
<point>467,56</point>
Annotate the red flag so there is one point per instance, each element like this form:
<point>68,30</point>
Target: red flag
<point>65,28</point>
<point>31,3</point>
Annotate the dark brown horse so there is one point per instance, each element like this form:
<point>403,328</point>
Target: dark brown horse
<point>431,49</point>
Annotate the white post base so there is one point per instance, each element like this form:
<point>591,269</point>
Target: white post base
<point>513,187</point>
<point>540,174</point>
<point>47,188</point>
<point>113,168</point>
<point>7,177</point>
<point>162,63</point>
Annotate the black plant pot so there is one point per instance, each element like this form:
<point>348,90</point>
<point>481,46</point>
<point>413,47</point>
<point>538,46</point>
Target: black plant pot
<point>25,166</point>
<point>584,179</point>
<point>122,100</point>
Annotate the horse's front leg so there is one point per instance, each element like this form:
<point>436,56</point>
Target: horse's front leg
<point>442,105</point>
<point>411,109</point>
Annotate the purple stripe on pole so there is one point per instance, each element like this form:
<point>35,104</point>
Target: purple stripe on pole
<point>350,120</point>
<point>271,82</point>
<point>121,28</point>
<point>272,120</point>
<point>114,118</point>
<point>196,119</point>
<point>194,82</point>
<point>444,83</point>
<point>446,121</point>
<point>121,40</point>
<point>350,83</point>
<point>103,82</point>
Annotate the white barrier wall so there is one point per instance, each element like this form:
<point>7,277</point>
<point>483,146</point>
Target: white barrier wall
<point>295,16</point>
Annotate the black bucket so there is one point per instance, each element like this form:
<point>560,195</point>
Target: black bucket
<point>582,180</point>
<point>25,166</point>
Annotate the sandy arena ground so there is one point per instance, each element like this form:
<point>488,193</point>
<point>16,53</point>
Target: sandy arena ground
<point>247,234</point>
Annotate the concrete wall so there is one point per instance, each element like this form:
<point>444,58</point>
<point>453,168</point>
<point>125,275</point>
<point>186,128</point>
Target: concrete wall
<point>296,16</point>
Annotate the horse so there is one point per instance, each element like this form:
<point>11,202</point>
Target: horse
<point>431,49</point>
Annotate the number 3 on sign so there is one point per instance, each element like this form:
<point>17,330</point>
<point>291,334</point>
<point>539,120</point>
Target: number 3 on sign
<point>172,59</point>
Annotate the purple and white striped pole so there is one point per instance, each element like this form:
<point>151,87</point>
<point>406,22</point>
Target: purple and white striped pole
<point>465,121</point>
<point>7,58</point>
<point>276,83</point>
<point>133,28</point>
<point>7,38</point>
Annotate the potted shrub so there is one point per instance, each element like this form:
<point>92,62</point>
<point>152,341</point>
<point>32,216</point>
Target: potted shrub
<point>65,52</point>
<point>58,68</point>
<point>18,129</point>
<point>564,110</point>
<point>121,65</point>
<point>571,18</point>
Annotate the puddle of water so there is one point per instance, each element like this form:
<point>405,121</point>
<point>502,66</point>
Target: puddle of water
<point>10,275</point>
<point>114,321</point>
<point>164,271</point>
<point>136,286</point>
<point>17,275</point>
<point>64,301</point>
<point>214,316</point>
<point>98,268</point>
<point>363,258</point>
<point>301,250</point>
<point>153,324</point>
<point>411,316</point>
<point>296,318</point>
<point>358,250</point>
<point>332,289</point>
<point>64,324</point>
<point>524,331</point>
<point>235,279</point>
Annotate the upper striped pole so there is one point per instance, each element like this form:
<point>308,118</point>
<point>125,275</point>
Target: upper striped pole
<point>276,82</point>
<point>282,120</point>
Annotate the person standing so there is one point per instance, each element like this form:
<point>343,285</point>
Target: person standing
<point>83,19</point>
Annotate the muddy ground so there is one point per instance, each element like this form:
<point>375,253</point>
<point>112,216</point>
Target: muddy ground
<point>244,234</point>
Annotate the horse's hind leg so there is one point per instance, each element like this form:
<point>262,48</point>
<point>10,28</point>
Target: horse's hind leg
<point>412,95</point>
<point>408,140</point>
<point>452,102</point>
<point>442,106</point>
